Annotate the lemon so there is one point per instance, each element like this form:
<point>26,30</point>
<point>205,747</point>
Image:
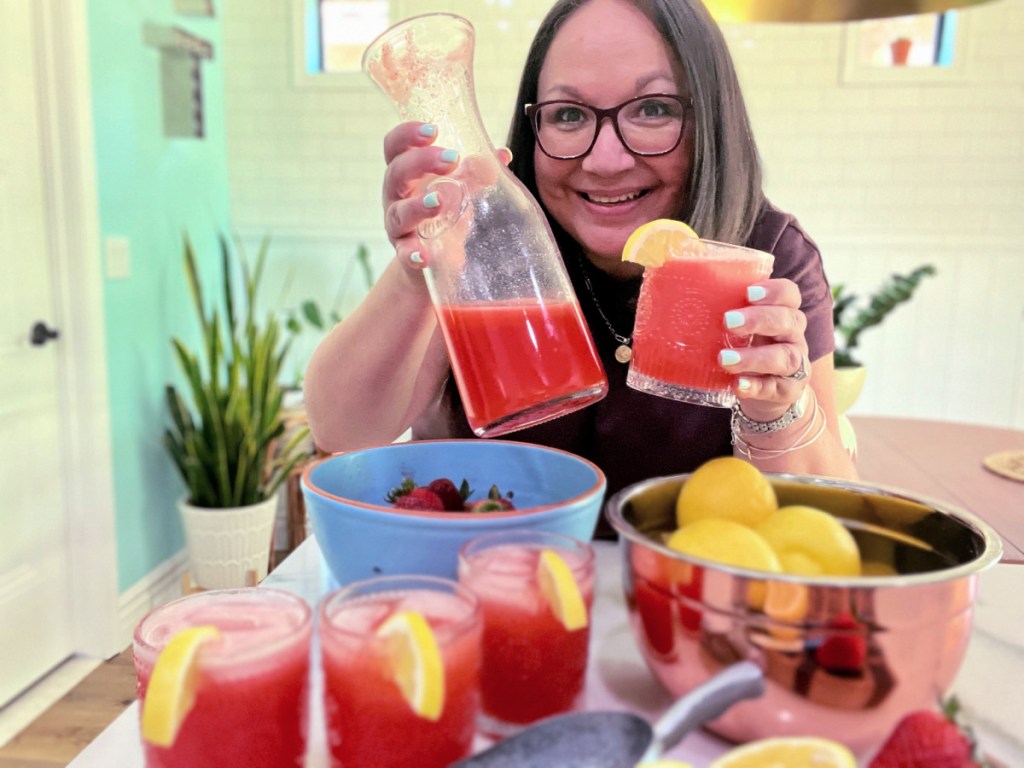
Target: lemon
<point>173,683</point>
<point>788,752</point>
<point>416,662</point>
<point>726,542</point>
<point>727,488</point>
<point>654,242</point>
<point>810,542</point>
<point>559,588</point>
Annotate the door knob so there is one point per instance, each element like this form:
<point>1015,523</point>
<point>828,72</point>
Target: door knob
<point>42,333</point>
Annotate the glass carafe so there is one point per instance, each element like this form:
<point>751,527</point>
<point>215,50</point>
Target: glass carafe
<point>519,347</point>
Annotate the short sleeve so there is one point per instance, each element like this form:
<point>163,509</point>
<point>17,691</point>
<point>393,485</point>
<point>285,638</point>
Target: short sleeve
<point>797,258</point>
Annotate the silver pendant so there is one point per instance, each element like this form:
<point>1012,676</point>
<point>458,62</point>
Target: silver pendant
<point>623,353</point>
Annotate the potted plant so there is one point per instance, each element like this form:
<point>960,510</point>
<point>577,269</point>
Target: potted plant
<point>224,437</point>
<point>851,320</point>
<point>310,321</point>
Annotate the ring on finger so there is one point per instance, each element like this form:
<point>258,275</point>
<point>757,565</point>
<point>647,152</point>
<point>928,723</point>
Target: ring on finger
<point>800,374</point>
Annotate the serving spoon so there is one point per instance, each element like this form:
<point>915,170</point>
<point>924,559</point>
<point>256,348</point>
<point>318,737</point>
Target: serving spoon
<point>620,739</point>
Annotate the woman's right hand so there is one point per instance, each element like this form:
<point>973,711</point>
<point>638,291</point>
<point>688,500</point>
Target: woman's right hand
<point>412,161</point>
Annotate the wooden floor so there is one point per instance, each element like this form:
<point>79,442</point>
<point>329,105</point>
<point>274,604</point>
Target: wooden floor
<point>64,730</point>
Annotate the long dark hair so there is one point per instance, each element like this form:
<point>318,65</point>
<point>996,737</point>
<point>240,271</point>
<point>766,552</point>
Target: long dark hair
<point>724,194</point>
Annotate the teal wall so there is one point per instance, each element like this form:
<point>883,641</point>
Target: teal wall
<point>151,189</point>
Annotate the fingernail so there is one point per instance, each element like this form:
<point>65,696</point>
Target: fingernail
<point>415,257</point>
<point>450,155</point>
<point>728,357</point>
<point>734,319</point>
<point>428,130</point>
<point>742,384</point>
<point>431,201</point>
<point>755,293</point>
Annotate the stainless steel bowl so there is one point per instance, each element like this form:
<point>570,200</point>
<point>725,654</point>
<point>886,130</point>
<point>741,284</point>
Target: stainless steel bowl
<point>843,658</point>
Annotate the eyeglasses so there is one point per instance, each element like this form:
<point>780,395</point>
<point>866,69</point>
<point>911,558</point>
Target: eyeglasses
<point>646,125</point>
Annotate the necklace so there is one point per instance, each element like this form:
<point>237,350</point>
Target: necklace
<point>623,353</point>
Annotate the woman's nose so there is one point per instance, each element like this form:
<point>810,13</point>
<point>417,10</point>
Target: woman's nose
<point>609,154</point>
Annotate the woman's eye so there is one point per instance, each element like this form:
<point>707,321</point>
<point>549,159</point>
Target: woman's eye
<point>568,115</point>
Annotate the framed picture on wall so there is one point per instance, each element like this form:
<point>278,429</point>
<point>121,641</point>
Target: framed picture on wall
<point>919,48</point>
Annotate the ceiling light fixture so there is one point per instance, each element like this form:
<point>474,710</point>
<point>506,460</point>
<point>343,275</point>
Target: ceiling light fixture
<point>803,11</point>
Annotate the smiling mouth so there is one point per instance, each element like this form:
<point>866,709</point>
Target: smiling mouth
<point>602,200</point>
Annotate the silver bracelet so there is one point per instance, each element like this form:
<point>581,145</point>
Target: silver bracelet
<point>741,423</point>
<point>804,440</point>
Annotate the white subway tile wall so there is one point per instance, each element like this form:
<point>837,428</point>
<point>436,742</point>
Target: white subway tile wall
<point>885,173</point>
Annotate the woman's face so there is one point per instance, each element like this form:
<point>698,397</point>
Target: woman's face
<point>605,53</point>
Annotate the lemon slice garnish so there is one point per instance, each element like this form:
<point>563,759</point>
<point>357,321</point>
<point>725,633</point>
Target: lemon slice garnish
<point>560,590</point>
<point>651,244</point>
<point>172,685</point>
<point>791,751</point>
<point>416,662</point>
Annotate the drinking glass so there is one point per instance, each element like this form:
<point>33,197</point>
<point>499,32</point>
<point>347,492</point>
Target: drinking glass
<point>533,666</point>
<point>251,697</point>
<point>680,329</point>
<point>369,722</point>
<point>519,347</point>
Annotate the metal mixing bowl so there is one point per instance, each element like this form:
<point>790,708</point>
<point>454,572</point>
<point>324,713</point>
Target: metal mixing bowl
<point>843,658</point>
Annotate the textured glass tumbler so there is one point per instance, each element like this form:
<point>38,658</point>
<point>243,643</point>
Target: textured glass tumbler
<point>519,347</point>
<point>680,327</point>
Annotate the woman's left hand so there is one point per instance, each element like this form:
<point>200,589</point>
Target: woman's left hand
<point>773,372</point>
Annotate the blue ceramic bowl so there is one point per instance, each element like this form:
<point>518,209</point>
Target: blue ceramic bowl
<point>361,535</point>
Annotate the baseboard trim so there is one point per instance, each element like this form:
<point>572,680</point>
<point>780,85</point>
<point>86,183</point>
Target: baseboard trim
<point>159,586</point>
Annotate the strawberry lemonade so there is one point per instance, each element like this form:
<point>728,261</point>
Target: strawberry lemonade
<point>689,284</point>
<point>401,661</point>
<point>251,679</point>
<point>510,356</point>
<point>536,590</point>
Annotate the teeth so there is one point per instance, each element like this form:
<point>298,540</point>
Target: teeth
<point>619,199</point>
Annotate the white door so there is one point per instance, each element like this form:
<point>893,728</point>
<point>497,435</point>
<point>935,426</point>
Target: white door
<point>35,614</point>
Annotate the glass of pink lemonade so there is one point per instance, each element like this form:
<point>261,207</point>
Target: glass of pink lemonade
<point>680,326</point>
<point>251,705</point>
<point>534,665</point>
<point>371,721</point>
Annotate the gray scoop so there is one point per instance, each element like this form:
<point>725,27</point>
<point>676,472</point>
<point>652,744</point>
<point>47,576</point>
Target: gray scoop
<point>620,739</point>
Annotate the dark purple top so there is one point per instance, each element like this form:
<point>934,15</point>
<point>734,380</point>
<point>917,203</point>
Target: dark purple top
<point>632,435</point>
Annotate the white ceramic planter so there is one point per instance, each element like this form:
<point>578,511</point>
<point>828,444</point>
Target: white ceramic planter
<point>226,544</point>
<point>849,381</point>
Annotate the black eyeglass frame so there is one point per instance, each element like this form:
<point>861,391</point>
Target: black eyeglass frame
<point>612,113</point>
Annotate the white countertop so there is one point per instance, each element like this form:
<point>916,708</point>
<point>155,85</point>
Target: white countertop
<point>990,685</point>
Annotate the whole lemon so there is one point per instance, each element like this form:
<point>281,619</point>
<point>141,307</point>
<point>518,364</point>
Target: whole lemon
<point>726,488</point>
<point>809,542</point>
<point>726,542</point>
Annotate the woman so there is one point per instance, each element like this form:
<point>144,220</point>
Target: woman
<point>385,368</point>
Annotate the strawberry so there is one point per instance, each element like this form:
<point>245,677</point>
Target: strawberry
<point>396,493</point>
<point>494,502</point>
<point>454,499</point>
<point>929,738</point>
<point>844,650</point>
<point>420,498</point>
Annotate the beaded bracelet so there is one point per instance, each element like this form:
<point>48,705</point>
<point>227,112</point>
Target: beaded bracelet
<point>752,452</point>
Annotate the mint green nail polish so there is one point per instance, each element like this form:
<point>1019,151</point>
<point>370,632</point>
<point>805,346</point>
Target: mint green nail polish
<point>431,201</point>
<point>743,384</point>
<point>734,319</point>
<point>415,257</point>
<point>450,155</point>
<point>728,357</point>
<point>428,130</point>
<point>755,293</point>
